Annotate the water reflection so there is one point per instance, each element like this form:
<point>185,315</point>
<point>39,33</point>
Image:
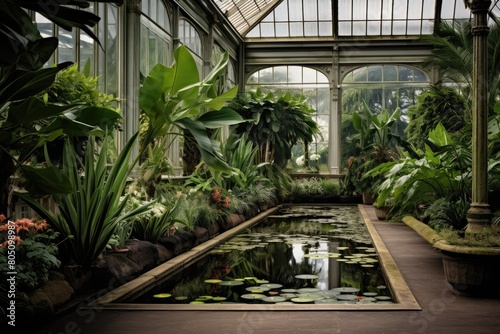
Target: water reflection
<point>306,254</point>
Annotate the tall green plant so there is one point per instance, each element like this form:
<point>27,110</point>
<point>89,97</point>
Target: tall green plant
<point>88,216</point>
<point>22,77</point>
<point>453,55</point>
<point>175,96</point>
<point>443,172</point>
<point>438,104</point>
<point>276,123</point>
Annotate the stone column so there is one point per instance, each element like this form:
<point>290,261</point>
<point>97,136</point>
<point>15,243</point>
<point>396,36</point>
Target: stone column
<point>132,70</point>
<point>479,214</point>
<point>335,128</point>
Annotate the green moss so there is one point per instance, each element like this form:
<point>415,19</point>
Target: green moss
<point>490,238</point>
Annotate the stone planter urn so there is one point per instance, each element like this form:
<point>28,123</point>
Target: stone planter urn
<point>472,274</point>
<point>469,270</point>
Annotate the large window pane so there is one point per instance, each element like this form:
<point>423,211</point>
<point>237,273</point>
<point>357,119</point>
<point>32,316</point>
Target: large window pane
<point>374,8</point>
<point>295,9</point>
<point>281,13</point>
<point>399,10</point>
<point>374,28</point>
<point>65,48</point>
<point>345,10</point>
<point>359,9</point>
<point>325,29</point>
<point>282,30</point>
<point>325,10</point>
<point>359,28</point>
<point>310,29</point>
<point>86,50</point>
<point>311,11</point>
<point>415,9</point>
<point>111,52</point>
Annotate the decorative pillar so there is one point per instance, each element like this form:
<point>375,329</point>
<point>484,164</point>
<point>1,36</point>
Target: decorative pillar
<point>479,214</point>
<point>132,71</point>
<point>335,129</point>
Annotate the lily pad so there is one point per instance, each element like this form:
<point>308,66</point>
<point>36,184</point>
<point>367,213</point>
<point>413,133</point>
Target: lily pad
<point>162,295</point>
<point>301,300</point>
<point>347,297</point>
<point>213,280</point>
<point>274,299</point>
<point>271,286</point>
<point>253,296</point>
<point>346,289</point>
<point>306,276</point>
<point>289,290</point>
<point>326,301</point>
<point>181,298</point>
<point>370,294</point>
<point>384,298</point>
<point>307,290</point>
<point>288,295</point>
<point>219,299</point>
<point>230,283</point>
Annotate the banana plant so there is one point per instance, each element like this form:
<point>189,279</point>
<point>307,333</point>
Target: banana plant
<point>175,96</point>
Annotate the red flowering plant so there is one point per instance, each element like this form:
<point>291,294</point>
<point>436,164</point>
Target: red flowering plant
<point>28,251</point>
<point>221,200</point>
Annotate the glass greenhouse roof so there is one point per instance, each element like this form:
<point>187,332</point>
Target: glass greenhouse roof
<point>341,18</point>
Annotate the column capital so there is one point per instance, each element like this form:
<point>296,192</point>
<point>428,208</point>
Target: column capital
<point>477,5</point>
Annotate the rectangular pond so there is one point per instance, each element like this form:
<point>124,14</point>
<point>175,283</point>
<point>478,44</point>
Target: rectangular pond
<point>295,257</point>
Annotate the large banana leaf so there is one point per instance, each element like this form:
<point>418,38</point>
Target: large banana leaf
<point>175,96</point>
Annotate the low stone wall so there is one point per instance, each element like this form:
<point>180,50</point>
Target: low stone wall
<point>68,288</point>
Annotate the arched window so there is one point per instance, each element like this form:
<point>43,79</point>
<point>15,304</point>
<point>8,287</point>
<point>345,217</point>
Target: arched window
<point>382,87</point>
<point>156,35</point>
<point>306,81</point>
<point>189,36</point>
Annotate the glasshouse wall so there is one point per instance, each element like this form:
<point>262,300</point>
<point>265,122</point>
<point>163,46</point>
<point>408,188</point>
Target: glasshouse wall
<point>138,35</point>
<point>336,62</point>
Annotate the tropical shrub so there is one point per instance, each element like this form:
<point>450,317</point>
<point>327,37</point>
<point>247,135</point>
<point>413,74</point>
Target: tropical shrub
<point>438,104</point>
<point>274,123</point>
<point>34,244</point>
<point>161,220</point>
<point>88,216</point>
<point>444,171</point>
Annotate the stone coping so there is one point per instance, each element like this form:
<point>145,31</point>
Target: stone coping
<point>438,242</point>
<point>116,299</point>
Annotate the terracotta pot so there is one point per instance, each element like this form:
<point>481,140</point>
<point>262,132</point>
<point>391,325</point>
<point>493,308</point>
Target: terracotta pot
<point>381,213</point>
<point>367,198</point>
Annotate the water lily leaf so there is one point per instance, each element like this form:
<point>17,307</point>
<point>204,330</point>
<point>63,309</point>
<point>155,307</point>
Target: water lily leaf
<point>230,283</point>
<point>253,296</point>
<point>306,276</point>
<point>300,300</point>
<point>274,299</point>
<point>213,280</point>
<point>162,295</point>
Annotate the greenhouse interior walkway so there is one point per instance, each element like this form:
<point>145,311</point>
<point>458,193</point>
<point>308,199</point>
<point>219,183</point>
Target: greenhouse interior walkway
<point>442,312</point>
